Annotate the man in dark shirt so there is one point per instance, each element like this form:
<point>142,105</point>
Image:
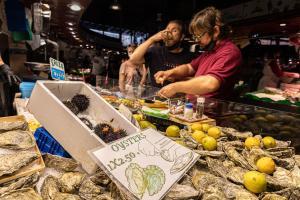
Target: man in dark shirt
<point>165,57</point>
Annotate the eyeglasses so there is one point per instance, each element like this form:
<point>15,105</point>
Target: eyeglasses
<point>198,37</point>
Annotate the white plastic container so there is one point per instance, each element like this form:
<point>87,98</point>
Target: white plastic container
<point>75,137</point>
<point>188,111</point>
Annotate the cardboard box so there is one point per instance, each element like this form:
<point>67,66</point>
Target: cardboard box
<point>75,137</point>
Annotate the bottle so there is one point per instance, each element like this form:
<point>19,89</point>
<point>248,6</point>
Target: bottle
<point>200,107</point>
<point>188,111</point>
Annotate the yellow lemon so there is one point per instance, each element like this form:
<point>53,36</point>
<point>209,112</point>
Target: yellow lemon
<point>252,142</point>
<point>196,127</point>
<point>209,143</point>
<point>173,131</point>
<point>269,142</point>
<point>266,165</point>
<point>138,117</point>
<point>198,136</point>
<point>214,132</point>
<point>255,181</point>
<point>205,127</point>
<point>144,124</point>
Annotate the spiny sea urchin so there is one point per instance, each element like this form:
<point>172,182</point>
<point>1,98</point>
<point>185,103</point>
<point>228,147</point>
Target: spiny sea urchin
<point>87,122</point>
<point>81,101</point>
<point>71,106</point>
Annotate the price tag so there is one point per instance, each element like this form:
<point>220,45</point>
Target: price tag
<point>145,164</point>
<point>57,69</point>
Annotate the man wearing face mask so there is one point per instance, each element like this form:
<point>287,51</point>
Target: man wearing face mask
<point>214,70</point>
<point>164,57</point>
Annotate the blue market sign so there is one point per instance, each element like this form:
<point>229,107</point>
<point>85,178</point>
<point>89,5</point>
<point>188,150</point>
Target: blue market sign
<point>57,69</point>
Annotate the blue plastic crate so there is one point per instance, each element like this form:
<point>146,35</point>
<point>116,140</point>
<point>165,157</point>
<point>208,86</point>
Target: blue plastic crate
<point>47,144</point>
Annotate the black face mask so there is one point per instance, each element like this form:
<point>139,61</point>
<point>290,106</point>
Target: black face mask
<point>210,46</point>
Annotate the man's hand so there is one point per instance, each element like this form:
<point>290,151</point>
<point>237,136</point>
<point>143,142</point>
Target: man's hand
<point>11,77</point>
<point>168,91</point>
<point>162,76</point>
<point>161,35</point>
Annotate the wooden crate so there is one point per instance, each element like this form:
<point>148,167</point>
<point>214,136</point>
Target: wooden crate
<point>36,166</point>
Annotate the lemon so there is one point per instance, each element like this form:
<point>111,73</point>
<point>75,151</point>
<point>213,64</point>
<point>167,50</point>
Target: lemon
<point>152,126</point>
<point>266,165</point>
<point>196,127</point>
<point>173,131</point>
<point>243,117</point>
<point>214,132</point>
<point>198,136</point>
<point>269,142</point>
<point>255,181</point>
<point>180,142</point>
<point>144,124</point>
<point>205,127</point>
<point>209,143</point>
<point>138,117</point>
<point>252,142</point>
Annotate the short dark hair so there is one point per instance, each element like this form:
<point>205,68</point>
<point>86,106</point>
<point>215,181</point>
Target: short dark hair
<point>180,23</point>
<point>207,19</point>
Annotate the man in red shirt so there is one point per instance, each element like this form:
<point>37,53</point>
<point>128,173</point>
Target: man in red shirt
<point>214,71</point>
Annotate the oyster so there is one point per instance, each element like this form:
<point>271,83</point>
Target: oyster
<point>16,140</point>
<point>282,152</point>
<point>13,162</point>
<point>236,135</point>
<point>66,196</point>
<point>103,197</point>
<point>280,143</point>
<point>24,182</point>
<point>100,178</point>
<point>213,192</point>
<point>89,190</point>
<point>214,154</point>
<point>216,167</point>
<point>60,163</point>
<point>49,188</point>
<point>71,181</point>
<point>181,192</point>
<point>9,126</point>
<point>117,194</point>
<point>22,194</point>
<point>237,158</point>
<point>297,159</point>
<point>236,174</point>
<point>273,197</point>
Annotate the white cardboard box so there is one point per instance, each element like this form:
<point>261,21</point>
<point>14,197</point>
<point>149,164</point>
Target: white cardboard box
<point>75,137</point>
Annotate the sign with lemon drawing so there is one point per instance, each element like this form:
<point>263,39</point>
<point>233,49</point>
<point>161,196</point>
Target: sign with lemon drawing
<point>146,164</point>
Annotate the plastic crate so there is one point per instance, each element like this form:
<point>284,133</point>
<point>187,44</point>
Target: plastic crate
<point>47,144</point>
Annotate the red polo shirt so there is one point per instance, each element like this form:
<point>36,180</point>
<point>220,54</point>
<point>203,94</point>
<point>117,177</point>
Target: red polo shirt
<point>222,63</point>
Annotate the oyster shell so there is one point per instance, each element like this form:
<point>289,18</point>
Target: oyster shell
<point>213,192</point>
<point>103,197</point>
<point>216,167</point>
<point>24,182</point>
<point>22,194</point>
<point>16,140</point>
<point>10,163</point>
<point>236,135</point>
<point>100,178</point>
<point>60,163</point>
<point>49,188</point>
<point>280,143</point>
<point>89,190</point>
<point>237,158</point>
<point>273,197</point>
<point>214,154</point>
<point>282,152</point>
<point>116,193</point>
<point>66,196</point>
<point>181,192</point>
<point>9,126</point>
<point>71,181</point>
<point>236,174</point>
<point>297,159</point>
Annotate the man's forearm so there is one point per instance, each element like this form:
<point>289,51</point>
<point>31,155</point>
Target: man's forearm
<point>198,86</point>
<point>137,57</point>
<point>182,71</point>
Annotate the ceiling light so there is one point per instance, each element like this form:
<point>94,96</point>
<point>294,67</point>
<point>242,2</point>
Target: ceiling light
<point>70,23</point>
<point>80,45</point>
<point>115,5</point>
<point>71,29</point>
<point>72,32</point>
<point>283,24</point>
<point>75,7</point>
